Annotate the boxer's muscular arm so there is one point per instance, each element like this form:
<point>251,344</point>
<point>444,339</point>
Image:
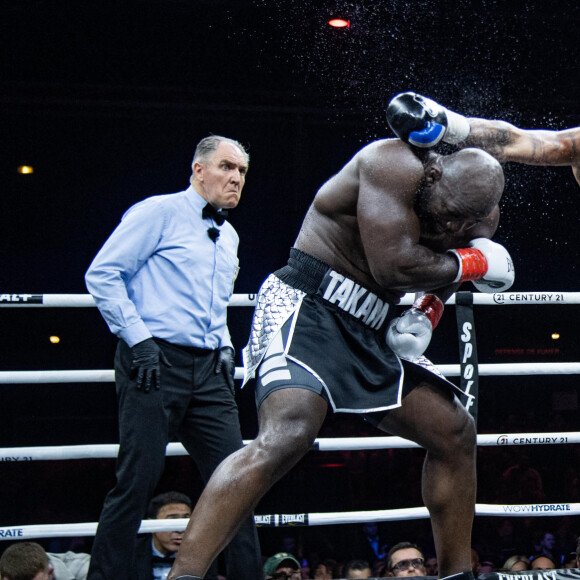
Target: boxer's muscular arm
<point>484,229</point>
<point>389,175</point>
<point>532,147</point>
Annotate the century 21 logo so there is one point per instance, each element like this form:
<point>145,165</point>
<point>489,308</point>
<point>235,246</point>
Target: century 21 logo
<point>502,440</point>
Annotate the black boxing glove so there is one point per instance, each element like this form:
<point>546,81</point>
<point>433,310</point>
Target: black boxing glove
<point>422,122</point>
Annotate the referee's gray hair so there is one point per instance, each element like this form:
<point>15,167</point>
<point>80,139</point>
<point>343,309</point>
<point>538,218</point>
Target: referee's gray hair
<point>209,144</point>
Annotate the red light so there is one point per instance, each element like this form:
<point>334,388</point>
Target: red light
<point>339,23</point>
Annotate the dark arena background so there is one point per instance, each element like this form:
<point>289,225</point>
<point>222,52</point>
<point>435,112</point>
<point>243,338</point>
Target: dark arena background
<point>106,100</point>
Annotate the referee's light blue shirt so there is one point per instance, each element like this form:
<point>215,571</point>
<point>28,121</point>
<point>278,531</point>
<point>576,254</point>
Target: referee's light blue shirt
<point>159,274</point>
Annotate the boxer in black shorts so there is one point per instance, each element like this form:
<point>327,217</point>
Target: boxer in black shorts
<point>395,219</point>
<point>324,347</point>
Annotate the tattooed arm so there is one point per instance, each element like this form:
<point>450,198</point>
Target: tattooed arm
<point>539,147</point>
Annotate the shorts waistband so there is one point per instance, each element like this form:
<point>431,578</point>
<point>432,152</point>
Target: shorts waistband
<point>304,272</point>
<point>313,276</point>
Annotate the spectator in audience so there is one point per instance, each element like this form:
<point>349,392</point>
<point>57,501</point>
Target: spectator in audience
<point>516,563</point>
<point>369,544</point>
<point>547,547</point>
<point>487,566</point>
<point>569,561</point>
<point>357,569</point>
<point>431,566</point>
<point>305,569</point>
<point>523,481</point>
<point>380,569</point>
<point>507,539</point>
<point>282,566</point>
<point>29,561</point>
<point>542,563</point>
<point>565,532</point>
<point>406,559</point>
<point>162,546</point>
<point>325,570</point>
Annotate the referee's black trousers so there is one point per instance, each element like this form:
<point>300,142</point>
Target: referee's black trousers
<point>197,407</point>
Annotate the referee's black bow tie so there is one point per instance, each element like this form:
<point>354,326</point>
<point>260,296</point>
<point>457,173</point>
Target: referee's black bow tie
<point>209,211</point>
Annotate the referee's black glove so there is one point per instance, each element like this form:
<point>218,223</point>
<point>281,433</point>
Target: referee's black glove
<point>146,364</point>
<point>226,363</point>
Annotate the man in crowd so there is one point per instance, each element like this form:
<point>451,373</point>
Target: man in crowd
<point>357,569</point>
<point>162,546</point>
<point>282,566</point>
<point>29,561</point>
<point>406,559</point>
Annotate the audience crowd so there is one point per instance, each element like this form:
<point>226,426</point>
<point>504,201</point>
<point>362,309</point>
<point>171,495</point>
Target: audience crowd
<point>507,475</point>
<point>409,559</point>
<point>30,561</point>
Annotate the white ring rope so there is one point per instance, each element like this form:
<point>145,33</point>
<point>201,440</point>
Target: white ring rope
<point>322,444</point>
<point>498,298</point>
<point>108,376</point>
<point>108,451</point>
<point>283,520</point>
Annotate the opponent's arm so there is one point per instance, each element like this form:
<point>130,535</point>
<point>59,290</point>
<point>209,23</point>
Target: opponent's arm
<point>532,147</point>
<point>422,122</point>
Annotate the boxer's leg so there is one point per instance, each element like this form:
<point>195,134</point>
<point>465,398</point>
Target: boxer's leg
<point>437,421</point>
<point>289,420</point>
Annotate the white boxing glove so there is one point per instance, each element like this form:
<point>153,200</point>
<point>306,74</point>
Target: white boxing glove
<point>409,335</point>
<point>487,264</point>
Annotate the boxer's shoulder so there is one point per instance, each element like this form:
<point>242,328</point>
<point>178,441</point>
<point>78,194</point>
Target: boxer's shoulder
<point>391,157</point>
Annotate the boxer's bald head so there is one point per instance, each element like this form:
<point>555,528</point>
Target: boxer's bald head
<point>474,178</point>
<point>459,190</point>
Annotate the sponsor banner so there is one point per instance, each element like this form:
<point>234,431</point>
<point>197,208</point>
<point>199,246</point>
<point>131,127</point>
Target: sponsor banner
<point>528,297</point>
<point>281,520</point>
<point>564,574</point>
<point>268,521</point>
<point>294,520</point>
<point>21,298</point>
<point>12,533</point>
<point>468,362</point>
<point>555,508</point>
<point>531,439</point>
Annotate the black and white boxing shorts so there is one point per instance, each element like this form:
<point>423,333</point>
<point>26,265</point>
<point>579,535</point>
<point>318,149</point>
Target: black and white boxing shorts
<point>316,329</point>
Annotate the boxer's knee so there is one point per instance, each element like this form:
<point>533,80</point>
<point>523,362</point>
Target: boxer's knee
<point>461,437</point>
<point>278,449</point>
